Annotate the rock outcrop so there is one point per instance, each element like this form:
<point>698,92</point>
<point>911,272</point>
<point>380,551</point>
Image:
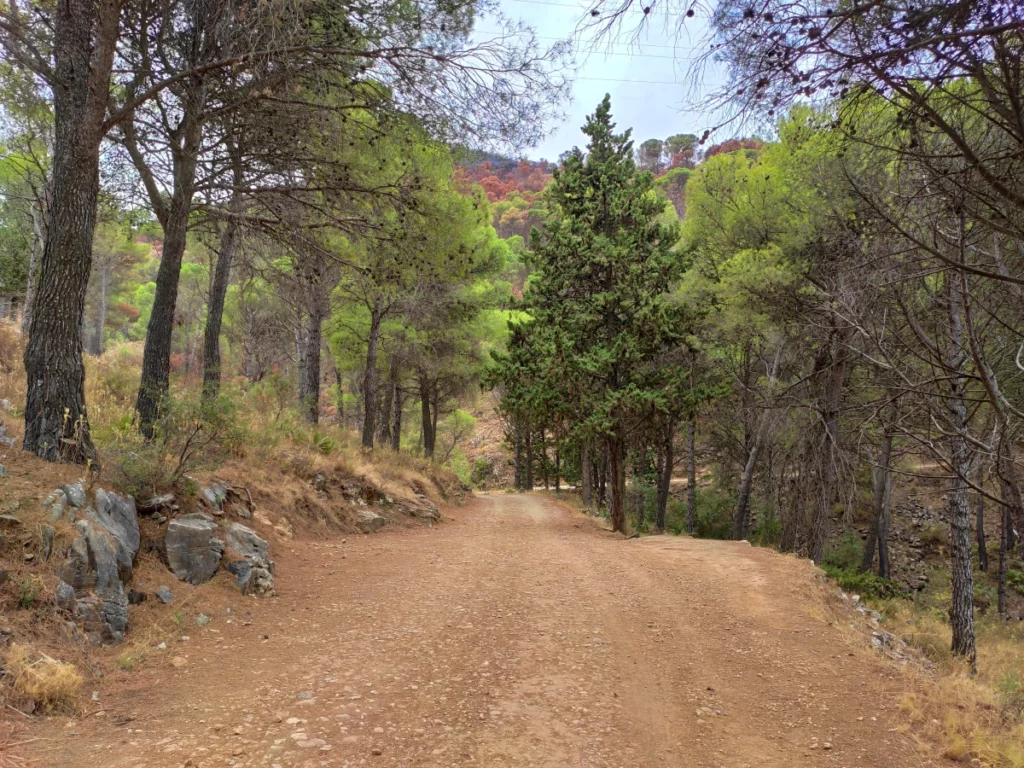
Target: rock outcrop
<point>99,565</point>
<point>194,549</point>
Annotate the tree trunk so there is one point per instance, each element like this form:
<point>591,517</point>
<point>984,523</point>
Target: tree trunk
<point>741,518</point>
<point>56,421</point>
<point>979,528</point>
<point>691,475</point>
<point>529,458</point>
<point>544,457</point>
<point>961,610</point>
<point>602,479</point>
<point>831,402</point>
<point>341,396</point>
<point>156,355</point>
<point>387,403</point>
<point>665,477</point>
<point>309,368</point>
<point>1005,545</point>
<point>218,293</point>
<point>617,472</point>
<point>101,311</point>
<point>428,422</point>
<point>586,477</point>
<point>558,469</point>
<point>518,440</point>
<point>878,536</point>
<point>370,377</point>
<point>396,429</point>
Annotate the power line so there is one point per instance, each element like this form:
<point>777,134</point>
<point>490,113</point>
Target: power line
<point>498,33</point>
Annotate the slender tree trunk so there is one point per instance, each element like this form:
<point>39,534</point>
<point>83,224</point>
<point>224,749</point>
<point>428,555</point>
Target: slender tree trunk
<point>602,479</point>
<point>586,477</point>
<point>218,293</point>
<point>617,472</point>
<point>309,368</point>
<point>741,518</point>
<point>831,402</point>
<point>156,355</point>
<point>691,475</point>
<point>529,458</point>
<point>961,611</point>
<point>1005,523</point>
<point>665,477</point>
<point>518,440</point>
<point>56,421</point>
<point>387,403</point>
<point>370,377</point>
<point>979,528</point>
<point>879,528</point>
<point>396,429</point>
<point>341,395</point>
<point>96,347</point>
<point>428,422</point>
<point>544,457</point>
<point>558,469</point>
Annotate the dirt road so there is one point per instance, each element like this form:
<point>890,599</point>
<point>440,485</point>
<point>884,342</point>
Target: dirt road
<point>513,635</point>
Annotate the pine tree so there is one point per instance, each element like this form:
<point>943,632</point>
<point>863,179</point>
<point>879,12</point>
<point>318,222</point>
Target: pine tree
<point>599,298</point>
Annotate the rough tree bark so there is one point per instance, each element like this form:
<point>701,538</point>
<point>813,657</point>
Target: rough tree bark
<point>666,462</point>
<point>396,429</point>
<point>979,528</point>
<point>528,452</point>
<point>518,440</point>
<point>961,610</point>
<point>586,477</point>
<point>387,404</point>
<point>56,421</point>
<point>617,480</point>
<point>881,482</point>
<point>370,376</point>
<point>218,293</point>
<point>691,475</point>
<point>429,435</point>
<point>309,367</point>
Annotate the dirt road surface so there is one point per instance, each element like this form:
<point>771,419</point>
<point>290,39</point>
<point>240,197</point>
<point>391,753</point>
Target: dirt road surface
<point>515,634</point>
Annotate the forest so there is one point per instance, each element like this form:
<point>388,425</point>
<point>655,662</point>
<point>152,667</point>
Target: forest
<point>311,220</point>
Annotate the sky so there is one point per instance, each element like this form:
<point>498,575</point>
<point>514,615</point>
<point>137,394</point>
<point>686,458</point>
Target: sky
<point>646,74</point>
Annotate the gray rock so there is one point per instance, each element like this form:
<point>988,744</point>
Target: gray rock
<point>164,595</point>
<point>96,568</point>
<point>202,619</point>
<point>158,502</point>
<point>245,542</point>
<point>118,515</point>
<point>46,534</point>
<point>369,521</point>
<point>193,549</point>
<point>214,495</point>
<point>65,596</point>
<point>254,572</point>
<point>55,504</point>
<point>5,441</point>
<point>75,493</point>
<point>3,471</point>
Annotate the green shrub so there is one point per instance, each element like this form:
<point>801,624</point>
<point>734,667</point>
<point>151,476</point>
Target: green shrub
<point>1015,580</point>
<point>714,514</point>
<point>866,584</point>
<point>844,553</point>
<point>190,435</point>
<point>767,531</point>
<point>483,470</point>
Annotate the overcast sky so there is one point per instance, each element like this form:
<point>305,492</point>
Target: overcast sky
<point>647,79</point>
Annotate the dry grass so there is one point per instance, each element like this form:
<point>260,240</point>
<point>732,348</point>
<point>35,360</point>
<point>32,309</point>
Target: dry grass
<point>51,685</point>
<point>975,719</point>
